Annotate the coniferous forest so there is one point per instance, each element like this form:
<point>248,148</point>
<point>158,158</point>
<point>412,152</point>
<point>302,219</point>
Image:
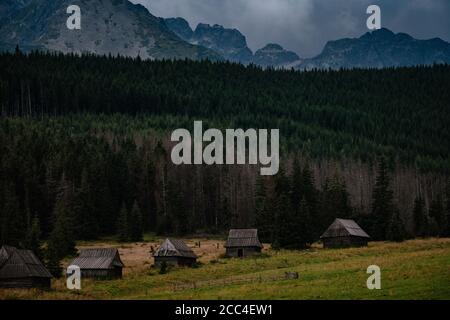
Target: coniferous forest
<point>85,150</point>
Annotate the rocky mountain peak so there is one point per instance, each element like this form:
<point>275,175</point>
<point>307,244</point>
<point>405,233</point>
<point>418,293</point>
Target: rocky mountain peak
<point>274,55</point>
<point>180,27</point>
<point>108,27</point>
<point>380,49</point>
<point>229,43</point>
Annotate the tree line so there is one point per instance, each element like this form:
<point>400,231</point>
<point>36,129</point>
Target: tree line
<point>295,214</point>
<point>399,113</point>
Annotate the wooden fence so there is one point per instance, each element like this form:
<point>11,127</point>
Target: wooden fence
<point>180,286</point>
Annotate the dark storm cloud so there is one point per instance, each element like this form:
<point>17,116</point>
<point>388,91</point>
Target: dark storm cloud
<point>306,25</point>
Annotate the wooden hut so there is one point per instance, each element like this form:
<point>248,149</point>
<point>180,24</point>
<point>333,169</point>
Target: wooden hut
<point>174,252</point>
<point>22,269</point>
<point>242,243</point>
<point>344,233</point>
<point>103,263</point>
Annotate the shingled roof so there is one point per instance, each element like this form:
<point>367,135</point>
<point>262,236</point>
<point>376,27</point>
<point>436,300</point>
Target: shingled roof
<point>174,248</point>
<point>17,263</point>
<point>344,228</point>
<point>243,238</point>
<point>103,258</point>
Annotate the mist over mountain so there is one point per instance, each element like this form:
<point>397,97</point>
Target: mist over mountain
<point>108,26</point>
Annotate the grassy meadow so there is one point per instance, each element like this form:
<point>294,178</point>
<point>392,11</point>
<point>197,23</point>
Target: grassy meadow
<point>415,269</point>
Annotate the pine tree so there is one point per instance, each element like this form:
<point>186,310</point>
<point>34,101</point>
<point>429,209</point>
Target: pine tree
<point>136,230</point>
<point>382,204</point>
<point>447,210</point>
<point>54,261</point>
<point>335,202</point>
<point>87,227</point>
<point>263,215</point>
<point>296,183</point>
<point>438,217</point>
<point>309,194</point>
<point>17,51</point>
<point>33,238</point>
<point>283,211</point>
<point>396,228</point>
<point>61,242</point>
<point>13,219</point>
<point>301,228</point>
<point>420,218</point>
<point>122,225</point>
<point>284,227</point>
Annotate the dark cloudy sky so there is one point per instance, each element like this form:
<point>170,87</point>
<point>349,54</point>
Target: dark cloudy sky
<point>305,25</point>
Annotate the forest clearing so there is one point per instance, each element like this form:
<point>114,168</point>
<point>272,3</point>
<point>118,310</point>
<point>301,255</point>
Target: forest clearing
<point>414,269</point>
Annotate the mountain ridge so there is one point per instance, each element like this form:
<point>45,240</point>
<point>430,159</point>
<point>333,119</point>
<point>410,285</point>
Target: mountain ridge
<point>379,49</point>
<point>108,27</point>
<point>119,27</point>
<point>230,43</point>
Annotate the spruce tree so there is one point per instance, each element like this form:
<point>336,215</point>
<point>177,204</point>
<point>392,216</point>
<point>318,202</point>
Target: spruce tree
<point>14,222</point>
<point>296,183</point>
<point>447,211</point>
<point>396,228</point>
<point>420,218</point>
<point>310,194</point>
<point>54,261</point>
<point>87,227</point>
<point>61,242</point>
<point>263,215</point>
<point>136,230</point>
<point>301,228</point>
<point>382,203</point>
<point>122,225</point>
<point>284,223</point>
<point>33,238</point>
<point>438,217</point>
<point>335,202</point>
<point>283,211</point>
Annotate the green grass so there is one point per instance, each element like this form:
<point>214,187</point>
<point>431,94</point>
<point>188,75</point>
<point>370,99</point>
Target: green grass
<point>417,269</point>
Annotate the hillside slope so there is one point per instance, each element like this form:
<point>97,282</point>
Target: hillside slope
<point>107,26</point>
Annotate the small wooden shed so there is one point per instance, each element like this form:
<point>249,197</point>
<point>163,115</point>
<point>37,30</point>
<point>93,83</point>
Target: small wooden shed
<point>242,243</point>
<point>22,269</point>
<point>102,263</point>
<point>344,233</point>
<point>174,252</point>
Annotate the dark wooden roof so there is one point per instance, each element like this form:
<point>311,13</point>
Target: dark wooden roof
<point>174,248</point>
<point>243,238</point>
<point>344,228</point>
<point>16,263</point>
<point>102,258</point>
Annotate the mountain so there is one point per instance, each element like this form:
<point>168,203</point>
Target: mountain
<point>274,55</point>
<point>379,49</point>
<point>120,27</point>
<point>180,27</point>
<point>229,43</point>
<point>107,26</point>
